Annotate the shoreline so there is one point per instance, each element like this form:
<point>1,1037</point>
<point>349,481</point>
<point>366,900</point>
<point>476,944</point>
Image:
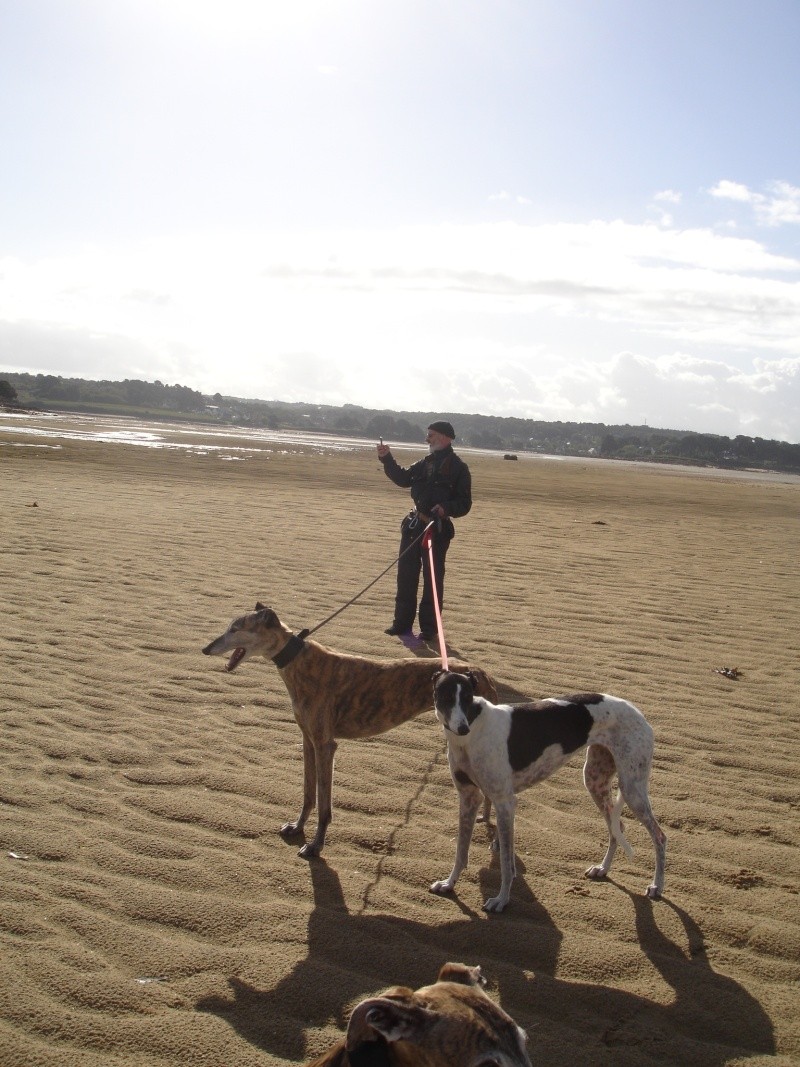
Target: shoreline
<point>155,434</point>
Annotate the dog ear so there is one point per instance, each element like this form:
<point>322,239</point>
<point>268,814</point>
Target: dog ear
<point>437,674</point>
<point>474,680</point>
<point>269,616</point>
<point>397,1017</point>
<point>461,973</point>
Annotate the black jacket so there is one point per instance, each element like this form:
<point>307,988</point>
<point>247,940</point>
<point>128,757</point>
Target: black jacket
<point>440,478</point>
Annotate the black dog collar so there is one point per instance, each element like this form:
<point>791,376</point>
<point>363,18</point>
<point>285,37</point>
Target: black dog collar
<point>293,647</point>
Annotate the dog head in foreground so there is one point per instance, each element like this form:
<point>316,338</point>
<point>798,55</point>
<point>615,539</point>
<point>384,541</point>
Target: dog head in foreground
<point>454,699</point>
<point>259,633</point>
<point>452,1023</point>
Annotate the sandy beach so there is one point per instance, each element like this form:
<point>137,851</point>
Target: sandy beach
<point>151,915</point>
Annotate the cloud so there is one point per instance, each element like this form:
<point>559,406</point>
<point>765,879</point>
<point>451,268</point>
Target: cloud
<point>722,399</point>
<point>607,321</point>
<point>147,296</point>
<point>782,207</point>
<point>779,206</point>
<point>678,392</point>
<point>727,190</point>
<point>37,348</point>
<point>504,197</point>
<point>311,373</point>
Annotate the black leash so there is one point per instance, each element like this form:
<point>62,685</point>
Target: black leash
<point>295,643</point>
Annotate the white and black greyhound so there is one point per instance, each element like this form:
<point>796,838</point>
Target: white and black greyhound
<point>500,749</point>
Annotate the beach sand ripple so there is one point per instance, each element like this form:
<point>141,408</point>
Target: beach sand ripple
<point>151,915</point>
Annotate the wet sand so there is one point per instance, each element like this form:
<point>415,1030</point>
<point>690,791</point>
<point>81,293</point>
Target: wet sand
<point>150,914</point>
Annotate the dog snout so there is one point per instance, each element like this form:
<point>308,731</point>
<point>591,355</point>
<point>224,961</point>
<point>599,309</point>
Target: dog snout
<point>462,729</point>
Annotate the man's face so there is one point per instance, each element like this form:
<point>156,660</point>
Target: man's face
<point>436,441</point>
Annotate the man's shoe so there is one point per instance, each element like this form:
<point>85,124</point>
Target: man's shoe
<point>426,636</point>
<point>397,631</point>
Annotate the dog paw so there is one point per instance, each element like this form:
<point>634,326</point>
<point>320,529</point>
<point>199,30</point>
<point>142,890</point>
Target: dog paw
<point>653,892</point>
<point>596,873</point>
<point>290,829</point>
<point>309,851</point>
<point>442,888</point>
<point>495,903</point>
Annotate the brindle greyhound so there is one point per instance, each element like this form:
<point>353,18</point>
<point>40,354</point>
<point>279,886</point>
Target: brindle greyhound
<point>333,696</point>
<point>451,1023</point>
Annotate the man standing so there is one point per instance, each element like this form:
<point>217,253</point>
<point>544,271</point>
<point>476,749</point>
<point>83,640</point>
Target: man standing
<point>441,488</point>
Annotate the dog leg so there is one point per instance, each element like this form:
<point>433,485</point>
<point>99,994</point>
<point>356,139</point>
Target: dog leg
<point>324,756</point>
<point>504,814</point>
<point>290,829</point>
<point>638,801</point>
<point>598,774</point>
<point>469,800</point>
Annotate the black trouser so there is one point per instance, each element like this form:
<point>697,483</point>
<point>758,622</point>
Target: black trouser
<point>408,568</point>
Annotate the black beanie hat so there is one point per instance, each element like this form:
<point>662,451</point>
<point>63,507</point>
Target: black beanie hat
<point>444,427</point>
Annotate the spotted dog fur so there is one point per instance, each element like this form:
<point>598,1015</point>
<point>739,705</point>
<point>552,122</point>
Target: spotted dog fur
<point>333,696</point>
<point>452,1023</point>
<point>502,749</point>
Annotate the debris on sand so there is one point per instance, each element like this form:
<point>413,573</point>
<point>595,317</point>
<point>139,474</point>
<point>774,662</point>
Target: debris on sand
<point>730,672</point>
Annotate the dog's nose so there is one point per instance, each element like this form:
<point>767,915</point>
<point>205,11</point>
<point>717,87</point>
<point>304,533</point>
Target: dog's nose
<point>462,729</point>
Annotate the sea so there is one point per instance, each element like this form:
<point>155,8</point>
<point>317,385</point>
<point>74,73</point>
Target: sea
<point>49,429</point>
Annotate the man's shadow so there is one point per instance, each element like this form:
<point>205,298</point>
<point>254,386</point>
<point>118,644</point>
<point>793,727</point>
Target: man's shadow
<point>350,955</point>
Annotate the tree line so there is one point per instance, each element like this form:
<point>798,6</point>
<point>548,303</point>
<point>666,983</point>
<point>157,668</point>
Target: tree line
<point>505,434</point>
<point>37,390</point>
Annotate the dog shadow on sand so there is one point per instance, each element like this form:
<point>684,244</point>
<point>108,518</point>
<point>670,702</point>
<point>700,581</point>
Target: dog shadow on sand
<point>710,1020</point>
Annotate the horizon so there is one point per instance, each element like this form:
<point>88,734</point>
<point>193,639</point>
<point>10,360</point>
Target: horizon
<point>434,412</point>
<point>552,210</point>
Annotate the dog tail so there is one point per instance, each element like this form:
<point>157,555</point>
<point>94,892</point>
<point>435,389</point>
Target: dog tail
<point>616,826</point>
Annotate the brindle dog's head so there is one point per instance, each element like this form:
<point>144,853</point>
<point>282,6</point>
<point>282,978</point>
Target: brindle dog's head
<point>260,633</point>
<point>454,700</point>
<point>452,1023</point>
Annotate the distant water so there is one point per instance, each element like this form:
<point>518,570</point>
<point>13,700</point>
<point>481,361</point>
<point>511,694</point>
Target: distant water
<point>200,438</point>
<point>235,442</point>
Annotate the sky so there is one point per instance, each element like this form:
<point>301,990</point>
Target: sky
<point>576,210</point>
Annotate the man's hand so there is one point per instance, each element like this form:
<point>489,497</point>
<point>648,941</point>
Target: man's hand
<point>438,512</point>
<point>383,450</point>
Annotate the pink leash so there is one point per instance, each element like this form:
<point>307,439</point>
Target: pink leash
<point>427,541</point>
